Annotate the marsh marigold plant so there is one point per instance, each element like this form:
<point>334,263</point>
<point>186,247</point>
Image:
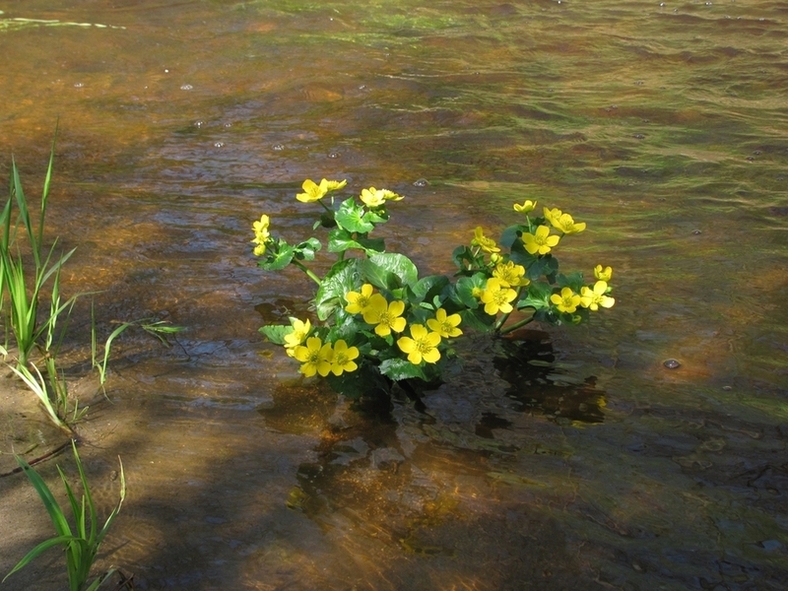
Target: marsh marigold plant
<point>377,321</point>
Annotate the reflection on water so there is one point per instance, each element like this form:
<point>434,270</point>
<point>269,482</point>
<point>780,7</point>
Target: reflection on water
<point>566,459</point>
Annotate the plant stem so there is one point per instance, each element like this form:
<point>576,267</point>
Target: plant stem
<point>309,272</point>
<point>500,322</point>
<point>516,325</point>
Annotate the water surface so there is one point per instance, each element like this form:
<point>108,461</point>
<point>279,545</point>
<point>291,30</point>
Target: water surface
<point>663,125</point>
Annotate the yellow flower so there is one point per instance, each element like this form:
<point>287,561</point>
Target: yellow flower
<point>385,316</point>
<point>603,274</point>
<point>567,301</point>
<point>421,345</point>
<point>445,326</point>
<point>312,191</point>
<point>567,225</point>
<point>391,196</point>
<point>358,302</point>
<point>334,186</point>
<point>526,207</point>
<point>300,331</point>
<point>541,241</point>
<point>497,297</point>
<point>342,360</point>
<point>486,244</point>
<point>315,357</point>
<point>511,274</point>
<point>373,197</point>
<point>593,298</point>
<point>261,234</point>
<point>551,214</point>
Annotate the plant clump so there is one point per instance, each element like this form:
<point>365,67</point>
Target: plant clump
<point>379,322</point>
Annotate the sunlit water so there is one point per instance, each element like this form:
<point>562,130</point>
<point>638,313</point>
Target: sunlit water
<point>662,125</point>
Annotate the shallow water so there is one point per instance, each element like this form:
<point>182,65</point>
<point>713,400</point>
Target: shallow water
<point>663,127</point>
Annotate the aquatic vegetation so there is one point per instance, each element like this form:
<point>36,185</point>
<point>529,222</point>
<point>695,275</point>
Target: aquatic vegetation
<point>16,275</point>
<point>380,323</point>
<point>28,271</point>
<point>99,360</point>
<point>82,543</point>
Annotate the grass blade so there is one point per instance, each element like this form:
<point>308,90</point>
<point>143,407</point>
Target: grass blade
<point>35,552</point>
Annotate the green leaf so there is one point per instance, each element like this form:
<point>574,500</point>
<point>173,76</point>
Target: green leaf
<point>39,549</point>
<point>346,327</point>
<point>537,296</point>
<point>326,220</point>
<point>511,235</point>
<point>400,265</point>
<point>427,288</point>
<point>462,257</point>
<point>401,369</point>
<point>279,259</point>
<point>477,319</point>
<point>378,276</point>
<point>520,256</point>
<point>376,216</point>
<point>342,277</point>
<point>350,216</point>
<point>340,240</point>
<point>276,332</point>
<point>574,280</point>
<point>53,508</point>
<point>465,288</point>
<point>365,381</point>
<point>307,249</point>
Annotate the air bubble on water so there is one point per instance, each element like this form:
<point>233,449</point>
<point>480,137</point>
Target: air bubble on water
<point>199,124</point>
<point>696,232</point>
<point>78,85</point>
<point>278,147</point>
<point>671,364</point>
<point>218,144</point>
<point>186,87</point>
<point>166,71</point>
<point>421,183</point>
<point>228,125</point>
<point>333,154</point>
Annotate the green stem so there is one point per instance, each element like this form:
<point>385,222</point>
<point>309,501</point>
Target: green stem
<point>309,273</point>
<point>500,322</point>
<point>517,325</point>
